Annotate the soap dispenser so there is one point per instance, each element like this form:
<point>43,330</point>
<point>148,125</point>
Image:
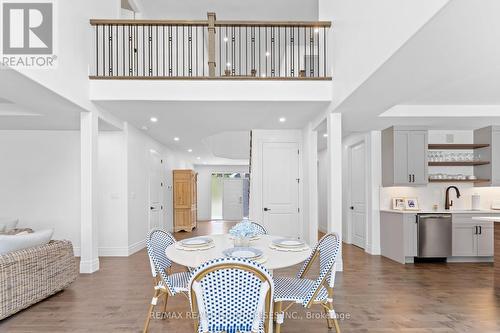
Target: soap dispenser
<point>476,201</point>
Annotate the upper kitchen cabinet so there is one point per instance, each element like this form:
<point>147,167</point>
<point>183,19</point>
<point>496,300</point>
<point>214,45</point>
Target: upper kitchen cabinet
<point>404,156</point>
<point>490,137</point>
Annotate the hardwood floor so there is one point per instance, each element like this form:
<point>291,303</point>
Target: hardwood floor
<point>373,293</point>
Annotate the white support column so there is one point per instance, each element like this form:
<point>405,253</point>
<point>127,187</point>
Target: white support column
<point>89,259</point>
<point>334,123</point>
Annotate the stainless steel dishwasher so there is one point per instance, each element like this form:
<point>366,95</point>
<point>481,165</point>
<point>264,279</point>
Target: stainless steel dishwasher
<point>434,235</point>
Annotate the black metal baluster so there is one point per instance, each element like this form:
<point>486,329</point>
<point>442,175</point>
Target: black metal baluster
<point>311,47</point>
<point>197,51</point>
<point>259,55</point>
<point>292,51</point>
<point>324,51</point>
<point>203,49</point>
<point>104,50</point>
<point>239,51</point>
<point>279,51</point>
<point>183,52</point>
<point>117,53</point>
<point>97,49</point>
<point>317,49</point>
<point>286,55</point>
<point>176,50</point>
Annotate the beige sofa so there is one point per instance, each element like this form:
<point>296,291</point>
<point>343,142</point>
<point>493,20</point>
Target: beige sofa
<point>30,275</point>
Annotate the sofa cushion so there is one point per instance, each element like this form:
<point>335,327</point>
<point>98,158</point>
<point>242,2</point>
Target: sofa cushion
<point>9,243</point>
<point>8,223</point>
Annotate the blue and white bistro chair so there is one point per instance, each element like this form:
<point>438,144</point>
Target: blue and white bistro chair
<point>166,284</point>
<point>257,228</point>
<point>308,292</point>
<point>231,295</point>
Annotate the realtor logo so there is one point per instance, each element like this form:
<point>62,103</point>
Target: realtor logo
<point>27,28</point>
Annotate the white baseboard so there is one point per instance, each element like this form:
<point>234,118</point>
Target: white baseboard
<point>136,247</point>
<point>116,251</point>
<point>89,266</point>
<point>322,229</point>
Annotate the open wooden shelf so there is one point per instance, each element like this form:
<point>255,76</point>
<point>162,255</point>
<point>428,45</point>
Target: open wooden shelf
<point>458,180</point>
<point>459,163</point>
<point>457,146</point>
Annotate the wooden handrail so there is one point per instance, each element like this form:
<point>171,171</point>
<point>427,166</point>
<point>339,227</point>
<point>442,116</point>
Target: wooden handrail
<point>318,24</point>
<point>313,24</point>
<point>94,22</point>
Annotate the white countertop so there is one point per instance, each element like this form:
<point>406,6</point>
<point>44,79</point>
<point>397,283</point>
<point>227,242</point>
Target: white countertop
<point>487,211</point>
<point>487,219</point>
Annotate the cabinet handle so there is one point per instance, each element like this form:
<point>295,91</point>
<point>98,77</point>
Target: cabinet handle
<point>409,178</point>
<point>413,176</point>
<point>480,230</point>
<point>475,230</point>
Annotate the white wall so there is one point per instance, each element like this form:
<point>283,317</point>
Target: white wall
<point>366,33</point>
<point>205,186</point>
<point>112,202</point>
<point>40,180</point>
<point>139,147</point>
<point>231,10</point>
<point>323,190</point>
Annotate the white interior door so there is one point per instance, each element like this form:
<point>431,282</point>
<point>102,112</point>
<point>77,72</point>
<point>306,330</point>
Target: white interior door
<point>280,188</point>
<point>232,199</point>
<point>155,192</point>
<point>357,193</point>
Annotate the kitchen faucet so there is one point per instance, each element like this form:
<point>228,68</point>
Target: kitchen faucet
<point>448,202</point>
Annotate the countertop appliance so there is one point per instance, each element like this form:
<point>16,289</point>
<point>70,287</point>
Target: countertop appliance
<point>434,235</point>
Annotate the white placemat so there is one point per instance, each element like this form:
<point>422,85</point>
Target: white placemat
<point>288,249</point>
<point>178,246</point>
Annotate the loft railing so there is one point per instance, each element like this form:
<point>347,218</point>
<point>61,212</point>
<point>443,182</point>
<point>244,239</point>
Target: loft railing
<point>209,49</point>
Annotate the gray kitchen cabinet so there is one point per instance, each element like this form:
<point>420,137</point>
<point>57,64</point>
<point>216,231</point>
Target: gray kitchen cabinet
<point>485,240</point>
<point>464,240</point>
<point>489,136</point>
<point>471,238</point>
<point>404,156</point>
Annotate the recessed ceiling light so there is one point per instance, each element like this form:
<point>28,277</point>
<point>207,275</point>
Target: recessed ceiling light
<point>153,119</point>
<point>144,128</point>
<point>176,139</point>
<point>190,150</point>
<point>198,158</point>
<point>325,135</point>
<point>268,54</point>
<point>282,119</point>
<point>225,39</point>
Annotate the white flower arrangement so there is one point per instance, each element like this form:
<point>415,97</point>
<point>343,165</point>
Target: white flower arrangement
<point>244,229</point>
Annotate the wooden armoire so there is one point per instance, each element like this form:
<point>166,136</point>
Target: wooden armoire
<point>185,200</point>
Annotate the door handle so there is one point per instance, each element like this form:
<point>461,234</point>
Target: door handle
<point>266,209</point>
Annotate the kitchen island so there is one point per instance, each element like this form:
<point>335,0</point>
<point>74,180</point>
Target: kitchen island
<point>496,222</point>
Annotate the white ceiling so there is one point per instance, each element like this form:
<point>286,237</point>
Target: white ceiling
<point>231,9</point>
<point>26,105</point>
<point>452,60</point>
<point>195,122</point>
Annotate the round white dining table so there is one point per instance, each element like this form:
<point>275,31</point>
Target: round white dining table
<point>275,259</point>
